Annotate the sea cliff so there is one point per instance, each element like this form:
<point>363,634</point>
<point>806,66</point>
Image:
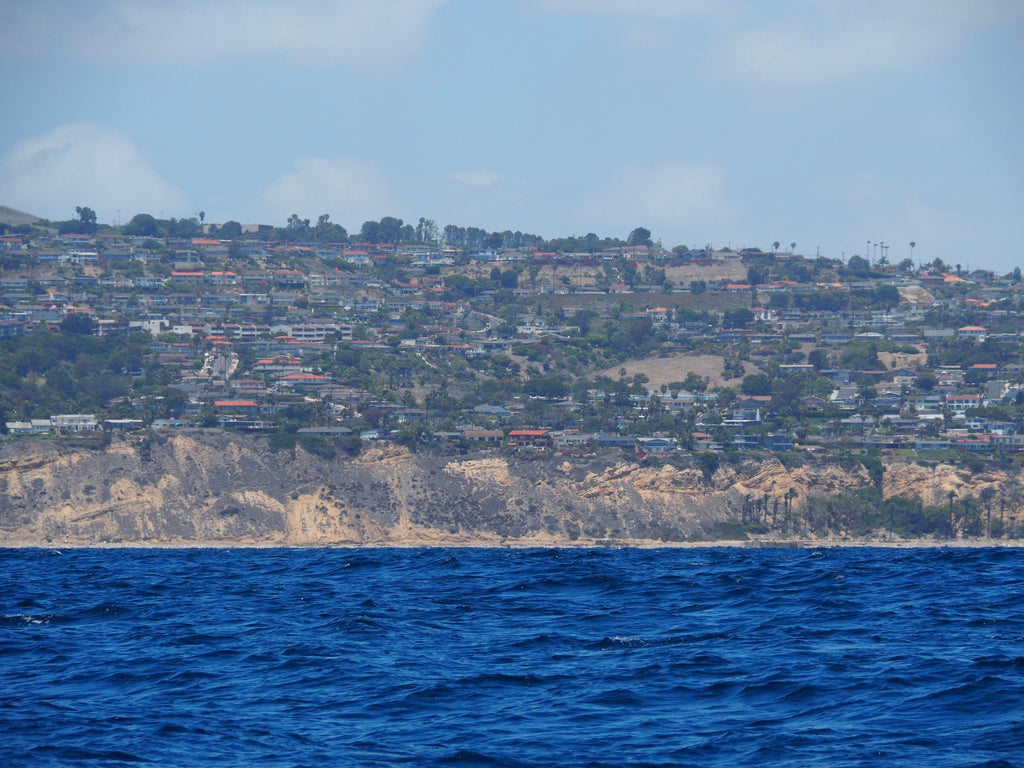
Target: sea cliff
<point>198,487</point>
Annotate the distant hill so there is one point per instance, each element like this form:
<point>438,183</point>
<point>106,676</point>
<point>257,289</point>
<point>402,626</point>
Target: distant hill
<point>13,218</point>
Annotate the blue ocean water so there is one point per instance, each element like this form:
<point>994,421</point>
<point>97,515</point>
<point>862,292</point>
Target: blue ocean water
<point>495,657</point>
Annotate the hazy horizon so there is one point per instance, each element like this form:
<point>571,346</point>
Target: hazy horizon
<point>829,124</point>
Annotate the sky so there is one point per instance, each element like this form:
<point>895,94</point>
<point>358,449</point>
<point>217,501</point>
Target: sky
<point>829,124</point>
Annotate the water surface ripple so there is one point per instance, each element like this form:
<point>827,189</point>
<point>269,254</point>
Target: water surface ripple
<point>475,657</point>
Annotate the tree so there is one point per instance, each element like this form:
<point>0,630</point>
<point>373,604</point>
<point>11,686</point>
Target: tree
<point>640,236</point>
<point>775,247</point>
<point>876,470</point>
<point>85,224</point>
<point>77,322</point>
<point>230,229</point>
<point>737,318</point>
<point>87,216</point>
<point>859,265</point>
<point>757,275</point>
<point>389,229</point>
<point>325,230</point>
<point>756,384</point>
<point>370,232</point>
<point>142,225</point>
<point>296,228</point>
<point>431,233</point>
<point>547,387</point>
<point>792,247</point>
<point>707,463</point>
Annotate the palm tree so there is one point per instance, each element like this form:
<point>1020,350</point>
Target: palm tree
<point>987,494</point>
<point>912,245</point>
<point>792,247</point>
<point>775,247</point>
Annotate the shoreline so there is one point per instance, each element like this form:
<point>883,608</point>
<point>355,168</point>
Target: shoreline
<point>483,543</point>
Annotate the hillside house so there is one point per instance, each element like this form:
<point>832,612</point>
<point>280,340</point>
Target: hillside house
<point>529,438</point>
<point>972,332</point>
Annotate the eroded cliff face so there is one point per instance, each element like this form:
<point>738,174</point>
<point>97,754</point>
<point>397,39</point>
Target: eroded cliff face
<point>195,487</point>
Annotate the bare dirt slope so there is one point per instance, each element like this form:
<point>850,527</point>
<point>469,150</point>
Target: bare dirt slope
<point>14,218</point>
<point>665,370</point>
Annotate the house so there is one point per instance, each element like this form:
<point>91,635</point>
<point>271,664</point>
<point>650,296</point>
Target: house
<point>962,403</point>
<point>1013,443</point>
<point>237,407</point>
<point>949,377</point>
<point>498,411</point>
<point>222,278</point>
<point>744,442</point>
<point>533,438</point>
<point>812,403</point>
<point>647,445</point>
<point>612,440</point>
<point>979,444</point>
<point>494,436</point>
<point>746,411</point>
<point>702,441</point>
<point>74,422</point>
<point>569,440</point>
<point>889,401</point>
<point>856,424</point>
<point>289,279</point>
<point>11,328</point>
<point>188,277</point>
<point>845,397</point>
<point>972,332</point>
<point>302,380</point>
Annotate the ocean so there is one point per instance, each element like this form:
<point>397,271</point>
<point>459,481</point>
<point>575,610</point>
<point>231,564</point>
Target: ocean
<point>505,657</point>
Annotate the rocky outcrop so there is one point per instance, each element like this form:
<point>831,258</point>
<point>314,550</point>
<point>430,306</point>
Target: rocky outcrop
<point>198,487</point>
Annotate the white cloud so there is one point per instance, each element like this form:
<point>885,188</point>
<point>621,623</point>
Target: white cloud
<point>84,164</point>
<point>349,190</point>
<point>672,198</point>
<point>800,44</point>
<point>838,40</point>
<point>645,9</point>
<point>375,35</point>
<point>479,177</point>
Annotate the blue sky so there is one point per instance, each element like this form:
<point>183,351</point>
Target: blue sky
<point>730,122</point>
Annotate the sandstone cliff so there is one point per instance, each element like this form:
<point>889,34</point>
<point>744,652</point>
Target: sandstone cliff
<point>196,487</point>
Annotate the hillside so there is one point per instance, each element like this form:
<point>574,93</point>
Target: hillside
<point>208,487</point>
<point>13,218</point>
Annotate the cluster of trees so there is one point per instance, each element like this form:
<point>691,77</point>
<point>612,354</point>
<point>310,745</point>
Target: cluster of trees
<point>71,370</point>
<point>84,224</point>
<point>864,511</point>
<point>389,229</point>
